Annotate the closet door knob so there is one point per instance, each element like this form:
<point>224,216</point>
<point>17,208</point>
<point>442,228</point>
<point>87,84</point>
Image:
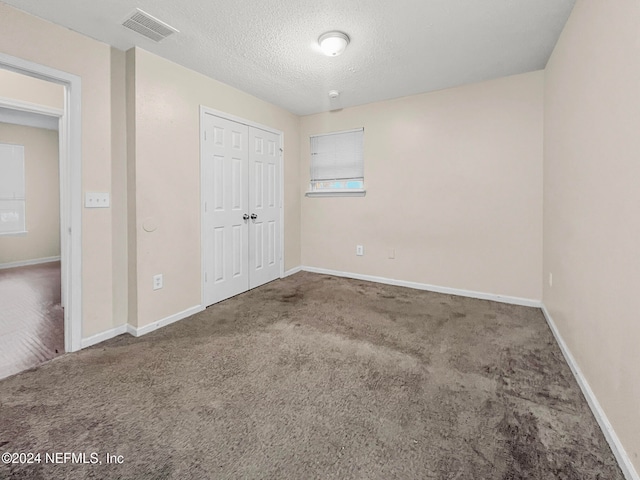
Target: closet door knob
<point>253,216</point>
<point>245,217</point>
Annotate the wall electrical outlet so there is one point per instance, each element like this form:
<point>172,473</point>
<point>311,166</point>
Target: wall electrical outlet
<point>359,250</point>
<point>392,253</point>
<point>157,281</point>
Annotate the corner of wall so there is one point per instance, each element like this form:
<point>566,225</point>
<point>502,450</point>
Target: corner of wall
<point>119,186</point>
<point>132,276</point>
<point>590,227</point>
<point>298,195</point>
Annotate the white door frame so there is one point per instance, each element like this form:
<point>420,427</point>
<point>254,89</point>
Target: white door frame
<point>204,111</point>
<point>70,153</point>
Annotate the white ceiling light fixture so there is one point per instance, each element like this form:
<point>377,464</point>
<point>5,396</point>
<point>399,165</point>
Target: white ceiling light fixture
<point>333,43</point>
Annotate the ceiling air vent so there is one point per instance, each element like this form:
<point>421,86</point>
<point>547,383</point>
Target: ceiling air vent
<point>149,26</point>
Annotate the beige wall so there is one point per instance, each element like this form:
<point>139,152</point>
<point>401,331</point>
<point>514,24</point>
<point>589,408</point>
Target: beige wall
<point>454,185</point>
<point>32,39</point>
<point>42,239</point>
<point>32,90</point>
<point>146,153</point>
<point>591,198</point>
<point>167,178</point>
<point>119,187</point>
<point>132,237</point>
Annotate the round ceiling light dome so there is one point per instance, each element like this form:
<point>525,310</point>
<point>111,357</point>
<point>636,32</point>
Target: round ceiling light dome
<point>333,43</point>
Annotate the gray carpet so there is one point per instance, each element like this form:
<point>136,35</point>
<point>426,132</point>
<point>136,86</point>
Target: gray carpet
<point>315,377</point>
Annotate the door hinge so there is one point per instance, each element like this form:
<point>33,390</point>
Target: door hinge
<point>205,207</point>
<point>205,277</point>
<point>205,135</point>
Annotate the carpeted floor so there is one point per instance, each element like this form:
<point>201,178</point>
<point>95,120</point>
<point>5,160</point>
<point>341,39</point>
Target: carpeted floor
<point>315,377</point>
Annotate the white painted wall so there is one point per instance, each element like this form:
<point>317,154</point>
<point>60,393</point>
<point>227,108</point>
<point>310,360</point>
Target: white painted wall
<point>454,186</point>
<point>591,198</point>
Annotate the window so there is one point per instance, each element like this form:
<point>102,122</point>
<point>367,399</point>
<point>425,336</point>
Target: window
<point>12,199</point>
<point>337,165</point>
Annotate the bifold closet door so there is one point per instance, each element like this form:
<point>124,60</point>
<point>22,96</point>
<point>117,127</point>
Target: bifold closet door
<point>241,208</point>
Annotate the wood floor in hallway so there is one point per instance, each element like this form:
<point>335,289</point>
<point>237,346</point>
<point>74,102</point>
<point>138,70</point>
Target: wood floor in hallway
<point>31,317</point>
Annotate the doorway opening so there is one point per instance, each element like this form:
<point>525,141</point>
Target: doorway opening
<point>70,182</point>
<point>32,317</point>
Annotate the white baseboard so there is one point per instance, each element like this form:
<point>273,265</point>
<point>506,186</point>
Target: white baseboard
<point>526,302</point>
<point>292,271</point>
<point>607,429</point>
<point>33,261</point>
<point>139,331</point>
<point>103,336</point>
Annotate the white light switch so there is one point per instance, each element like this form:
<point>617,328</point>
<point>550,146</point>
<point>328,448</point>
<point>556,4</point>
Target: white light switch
<point>96,200</point>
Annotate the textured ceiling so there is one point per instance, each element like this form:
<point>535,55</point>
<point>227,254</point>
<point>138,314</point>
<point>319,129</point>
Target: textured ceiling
<point>269,47</point>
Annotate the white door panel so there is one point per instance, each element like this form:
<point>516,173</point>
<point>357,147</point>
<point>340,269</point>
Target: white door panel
<point>225,163</point>
<point>264,159</point>
<point>241,207</point>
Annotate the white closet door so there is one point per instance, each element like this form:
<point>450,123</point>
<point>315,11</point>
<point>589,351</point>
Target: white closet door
<point>264,207</point>
<point>224,168</point>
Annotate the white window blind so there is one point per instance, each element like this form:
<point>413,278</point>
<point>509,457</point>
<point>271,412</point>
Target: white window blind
<point>12,189</point>
<point>337,162</point>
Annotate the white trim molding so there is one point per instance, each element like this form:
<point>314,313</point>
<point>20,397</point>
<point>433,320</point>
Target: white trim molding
<point>336,193</point>
<point>103,336</point>
<point>525,302</point>
<point>601,417</point>
<point>70,154</point>
<point>139,331</point>
<point>281,197</point>
<point>250,123</point>
<point>33,261</point>
<point>29,107</point>
<point>291,272</point>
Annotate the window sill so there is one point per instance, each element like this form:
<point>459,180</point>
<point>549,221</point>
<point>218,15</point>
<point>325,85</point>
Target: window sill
<point>14,234</point>
<point>337,193</point>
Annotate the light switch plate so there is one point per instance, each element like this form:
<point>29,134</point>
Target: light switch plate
<point>96,200</point>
